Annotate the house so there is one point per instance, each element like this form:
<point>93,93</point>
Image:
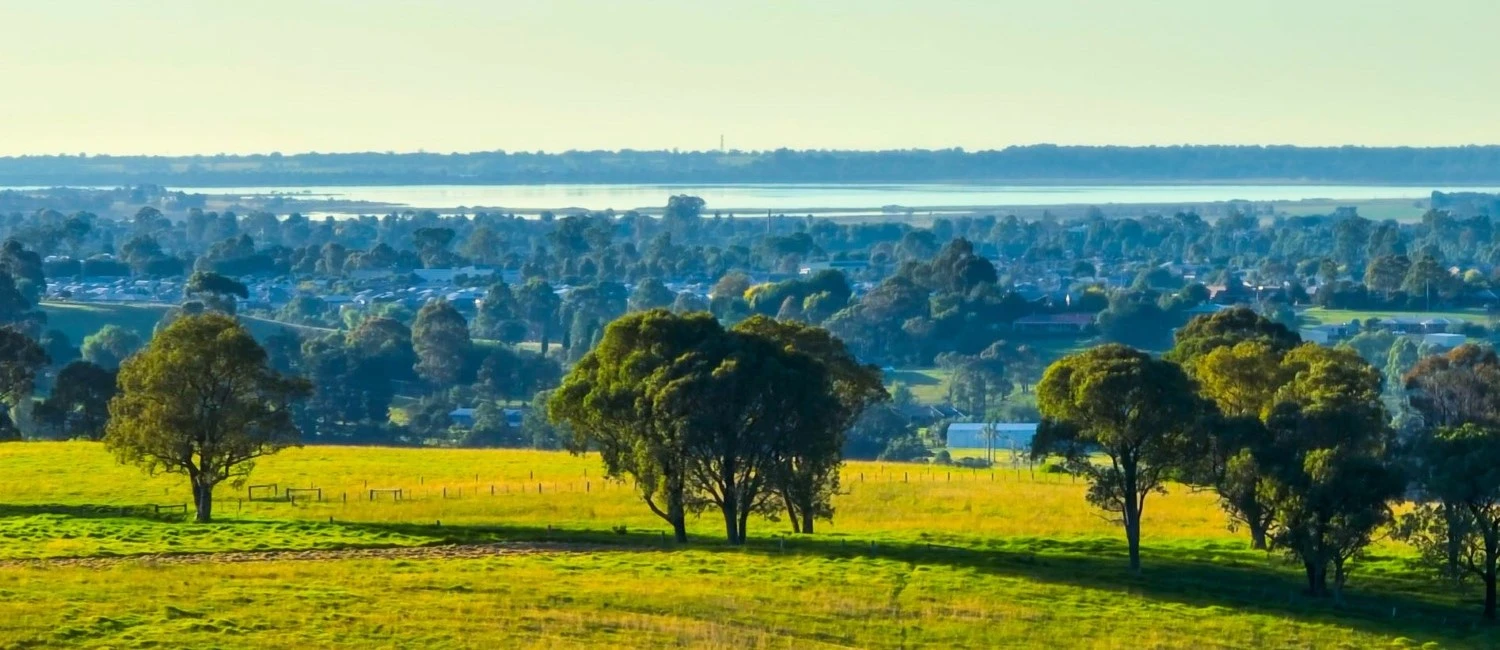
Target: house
<point>1324,334</point>
<point>447,276</point>
<point>1205,308</point>
<point>371,274</point>
<point>977,435</point>
<point>514,417</point>
<point>1415,325</point>
<point>1231,293</point>
<point>1444,341</point>
<point>922,415</point>
<point>1482,298</point>
<point>1070,323</point>
<point>463,417</point>
<point>1030,292</point>
<point>847,266</point>
<point>1440,325</point>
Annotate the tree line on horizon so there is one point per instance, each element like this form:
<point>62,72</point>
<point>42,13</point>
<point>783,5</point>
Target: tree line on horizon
<point>1024,163</point>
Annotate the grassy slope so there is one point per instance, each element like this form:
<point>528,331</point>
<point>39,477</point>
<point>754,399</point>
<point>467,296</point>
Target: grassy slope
<point>1018,561</point>
<point>1378,209</point>
<point>79,320</point>
<point>1320,316</point>
<point>930,385</point>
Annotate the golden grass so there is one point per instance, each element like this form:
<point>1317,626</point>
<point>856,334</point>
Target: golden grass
<point>916,557</point>
<point>891,499</point>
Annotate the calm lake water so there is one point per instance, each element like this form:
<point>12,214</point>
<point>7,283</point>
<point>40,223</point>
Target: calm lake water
<point>824,198</point>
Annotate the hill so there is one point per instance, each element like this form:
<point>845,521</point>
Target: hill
<point>78,320</point>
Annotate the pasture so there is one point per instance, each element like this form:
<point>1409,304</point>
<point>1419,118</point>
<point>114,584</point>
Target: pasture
<point>1321,316</point>
<point>915,556</point>
<point>78,320</point>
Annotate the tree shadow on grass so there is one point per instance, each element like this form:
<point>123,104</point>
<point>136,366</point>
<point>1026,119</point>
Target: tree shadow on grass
<point>1213,575</point>
<point>1401,605</point>
<point>149,512</point>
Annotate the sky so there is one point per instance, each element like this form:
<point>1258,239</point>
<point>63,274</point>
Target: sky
<point>223,76</point>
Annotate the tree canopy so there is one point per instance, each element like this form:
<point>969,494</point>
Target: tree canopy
<point>1137,411</point>
<point>201,400</point>
<point>699,416</point>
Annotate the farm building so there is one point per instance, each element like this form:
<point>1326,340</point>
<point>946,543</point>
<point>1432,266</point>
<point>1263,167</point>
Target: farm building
<point>1007,435</point>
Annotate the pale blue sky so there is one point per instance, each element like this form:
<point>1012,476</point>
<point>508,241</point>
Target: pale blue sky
<point>208,76</point>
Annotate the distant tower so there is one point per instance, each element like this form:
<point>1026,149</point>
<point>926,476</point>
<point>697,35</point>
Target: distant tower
<point>721,143</point>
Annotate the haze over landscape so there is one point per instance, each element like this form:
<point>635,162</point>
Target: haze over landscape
<point>183,77</point>
<point>639,324</point>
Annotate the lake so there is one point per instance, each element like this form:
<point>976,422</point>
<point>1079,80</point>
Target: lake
<point>797,198</point>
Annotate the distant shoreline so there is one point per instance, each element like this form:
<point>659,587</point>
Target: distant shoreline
<point>1028,182</point>
<point>1018,166</point>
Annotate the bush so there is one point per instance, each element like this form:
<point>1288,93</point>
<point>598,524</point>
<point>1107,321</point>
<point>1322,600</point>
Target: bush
<point>974,463</point>
<point>905,448</point>
<point>943,458</point>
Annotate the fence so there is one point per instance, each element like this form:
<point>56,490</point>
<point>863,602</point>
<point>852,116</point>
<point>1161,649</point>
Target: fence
<point>473,486</point>
<point>395,493</point>
<point>291,493</point>
<point>252,489</point>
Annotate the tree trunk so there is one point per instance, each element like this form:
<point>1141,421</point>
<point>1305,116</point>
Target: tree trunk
<point>678,515</point>
<point>1489,593</point>
<point>791,513</point>
<point>744,525</point>
<point>1257,536</point>
<point>731,520</point>
<point>1491,554</point>
<point>1317,577</point>
<point>1338,581</point>
<point>1455,541</point>
<point>1133,540</point>
<point>1132,516</point>
<point>807,521</point>
<point>203,500</point>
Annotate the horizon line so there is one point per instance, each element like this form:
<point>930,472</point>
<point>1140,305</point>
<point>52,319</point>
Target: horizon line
<point>677,151</point>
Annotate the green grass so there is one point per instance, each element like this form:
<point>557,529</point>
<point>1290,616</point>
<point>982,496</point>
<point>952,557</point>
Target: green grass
<point>930,385</point>
<point>1320,316</point>
<point>917,556</point>
<point>927,385</point>
<point>1061,595</point>
<point>79,320</point>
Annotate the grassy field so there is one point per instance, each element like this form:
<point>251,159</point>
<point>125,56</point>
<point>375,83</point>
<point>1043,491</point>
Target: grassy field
<point>79,320</point>
<point>927,385</point>
<point>1378,209</point>
<point>930,385</point>
<point>1320,316</point>
<point>917,556</point>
